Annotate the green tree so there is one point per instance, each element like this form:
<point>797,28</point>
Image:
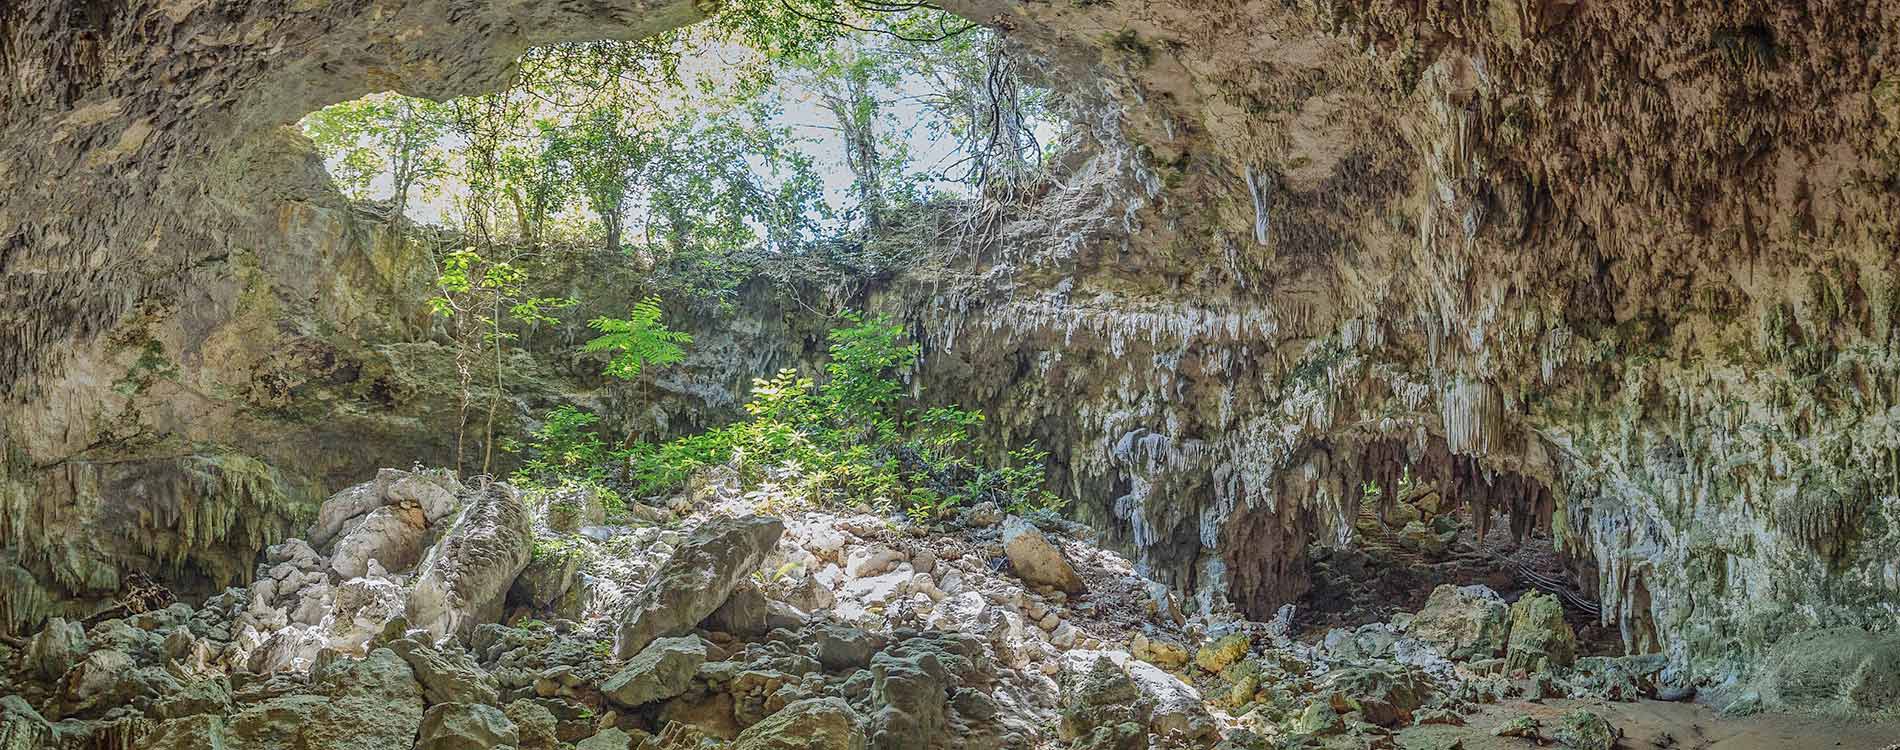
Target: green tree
<point>638,340</point>
<point>608,157</point>
<point>386,134</point>
<point>479,297</point>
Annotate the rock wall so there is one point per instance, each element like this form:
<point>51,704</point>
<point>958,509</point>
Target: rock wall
<point>197,339</point>
<point>1627,269</point>
<point>1630,266</point>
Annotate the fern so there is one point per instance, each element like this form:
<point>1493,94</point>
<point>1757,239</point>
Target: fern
<point>638,340</point>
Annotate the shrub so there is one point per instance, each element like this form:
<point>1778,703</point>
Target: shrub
<point>852,438</point>
<point>564,446</point>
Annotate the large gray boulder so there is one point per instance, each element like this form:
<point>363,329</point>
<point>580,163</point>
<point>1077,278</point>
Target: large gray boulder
<point>662,670</point>
<point>698,578</point>
<point>463,580</point>
<point>55,649</point>
<point>336,513</point>
<point>372,703</point>
<point>392,535</point>
<point>434,493</point>
<point>447,676</point>
<point>466,726</point>
<point>810,724</point>
<point>1463,622</point>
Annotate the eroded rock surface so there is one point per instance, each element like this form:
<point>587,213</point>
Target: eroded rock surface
<point>464,579</point>
<point>1308,246</point>
<point>699,576</point>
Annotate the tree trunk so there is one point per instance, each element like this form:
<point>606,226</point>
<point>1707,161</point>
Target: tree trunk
<point>488,430</point>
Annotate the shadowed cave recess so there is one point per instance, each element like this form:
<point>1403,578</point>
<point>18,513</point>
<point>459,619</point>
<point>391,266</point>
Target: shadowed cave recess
<point>1325,314</point>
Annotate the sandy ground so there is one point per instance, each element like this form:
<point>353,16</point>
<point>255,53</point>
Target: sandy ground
<point>1654,725</point>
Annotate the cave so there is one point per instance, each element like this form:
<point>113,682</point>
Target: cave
<point>1242,375</point>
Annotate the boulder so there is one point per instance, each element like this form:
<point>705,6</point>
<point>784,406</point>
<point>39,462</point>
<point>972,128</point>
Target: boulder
<point>435,492</point>
<point>1401,514</point>
<point>607,739</point>
<point>1176,707</point>
<point>548,577</point>
<point>1096,692</point>
<point>466,726</point>
<point>842,648</point>
<point>1540,639</point>
<point>1583,729</point>
<point>1222,652</point>
<point>810,724</point>
<point>1463,622</point>
<point>910,685</point>
<point>743,614</point>
<point>534,725</point>
<point>1383,696</point>
<point>865,562</point>
<point>1518,726</point>
<point>1166,653</point>
<point>359,609</point>
<point>55,649</point>
<point>1111,688</point>
<point>664,669</point>
<point>1418,537</point>
<point>21,727</point>
<point>699,577</point>
<point>101,679</point>
<point>391,535</point>
<point>464,579</point>
<point>1036,559</point>
<point>373,703</point>
<point>1845,671</point>
<point>336,513</point>
<point>447,676</point>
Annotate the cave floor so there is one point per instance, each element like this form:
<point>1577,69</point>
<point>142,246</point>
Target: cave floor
<point>1660,725</point>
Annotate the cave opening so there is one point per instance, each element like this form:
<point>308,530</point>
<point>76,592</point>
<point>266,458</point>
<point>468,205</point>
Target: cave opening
<point>1415,520</point>
<point>760,172</point>
<point>925,374</point>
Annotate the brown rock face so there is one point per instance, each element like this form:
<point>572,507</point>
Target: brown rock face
<point>1625,271</point>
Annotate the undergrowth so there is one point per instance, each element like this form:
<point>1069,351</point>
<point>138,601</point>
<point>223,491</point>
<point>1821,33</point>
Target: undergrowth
<point>851,436</point>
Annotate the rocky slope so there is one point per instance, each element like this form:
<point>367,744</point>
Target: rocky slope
<point>419,611</point>
<point>1625,270</point>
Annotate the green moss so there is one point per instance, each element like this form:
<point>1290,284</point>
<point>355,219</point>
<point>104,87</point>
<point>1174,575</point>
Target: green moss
<point>151,365</point>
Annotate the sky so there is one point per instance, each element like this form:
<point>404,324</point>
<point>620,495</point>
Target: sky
<point>904,118</point>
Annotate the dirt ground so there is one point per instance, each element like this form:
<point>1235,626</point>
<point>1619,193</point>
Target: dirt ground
<point>1655,725</point>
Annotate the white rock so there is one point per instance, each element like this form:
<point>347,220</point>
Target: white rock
<point>923,584</point>
<point>825,543</point>
<point>1064,635</point>
<point>390,535</point>
<point>358,610</point>
<point>830,576</point>
<point>463,579</point>
<point>434,493</point>
<point>870,561</point>
<point>877,589</point>
<point>337,511</point>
